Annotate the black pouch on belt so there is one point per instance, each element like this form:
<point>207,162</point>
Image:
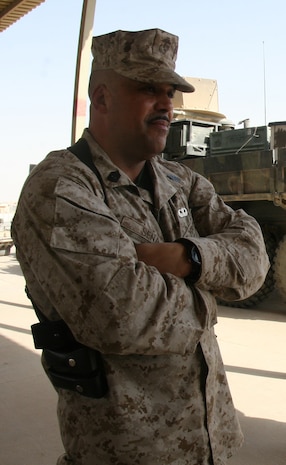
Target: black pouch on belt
<point>69,364</point>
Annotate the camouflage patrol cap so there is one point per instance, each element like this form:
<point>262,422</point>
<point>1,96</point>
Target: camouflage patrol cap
<point>145,56</point>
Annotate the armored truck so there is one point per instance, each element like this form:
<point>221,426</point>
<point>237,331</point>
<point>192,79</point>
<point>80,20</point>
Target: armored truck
<point>247,167</point>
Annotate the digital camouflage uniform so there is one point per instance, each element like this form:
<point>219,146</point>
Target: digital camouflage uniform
<point>168,399</point>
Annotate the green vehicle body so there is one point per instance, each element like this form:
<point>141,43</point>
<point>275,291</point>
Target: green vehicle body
<point>248,170</point>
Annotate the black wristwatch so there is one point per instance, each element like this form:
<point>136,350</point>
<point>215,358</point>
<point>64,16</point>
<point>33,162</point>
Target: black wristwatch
<point>194,257</point>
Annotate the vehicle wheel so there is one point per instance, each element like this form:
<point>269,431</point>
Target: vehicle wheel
<point>280,268</point>
<point>268,285</point>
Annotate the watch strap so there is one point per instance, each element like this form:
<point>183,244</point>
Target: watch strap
<point>194,257</point>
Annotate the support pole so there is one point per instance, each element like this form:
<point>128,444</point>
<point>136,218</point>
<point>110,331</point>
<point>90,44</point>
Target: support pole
<point>82,69</point>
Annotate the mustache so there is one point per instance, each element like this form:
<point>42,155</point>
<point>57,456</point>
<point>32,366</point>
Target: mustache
<point>158,118</point>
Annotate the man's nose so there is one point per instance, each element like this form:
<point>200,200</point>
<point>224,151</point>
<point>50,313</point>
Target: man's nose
<point>164,102</point>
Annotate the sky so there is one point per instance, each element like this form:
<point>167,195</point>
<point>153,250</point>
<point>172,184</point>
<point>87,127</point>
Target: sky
<point>241,44</point>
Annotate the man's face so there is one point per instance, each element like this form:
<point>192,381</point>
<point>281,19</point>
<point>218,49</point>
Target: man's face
<point>140,115</point>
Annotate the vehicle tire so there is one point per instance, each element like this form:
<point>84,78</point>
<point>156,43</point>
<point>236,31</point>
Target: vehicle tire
<point>268,285</point>
<point>280,268</point>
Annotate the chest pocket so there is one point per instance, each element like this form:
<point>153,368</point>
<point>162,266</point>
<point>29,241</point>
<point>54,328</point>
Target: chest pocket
<point>140,232</point>
<point>81,221</point>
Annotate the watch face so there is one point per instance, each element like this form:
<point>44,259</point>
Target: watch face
<point>195,255</point>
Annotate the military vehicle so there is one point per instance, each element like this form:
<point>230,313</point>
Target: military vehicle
<point>6,242</point>
<point>247,167</point>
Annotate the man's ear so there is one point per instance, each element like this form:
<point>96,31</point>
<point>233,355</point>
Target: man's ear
<point>99,98</point>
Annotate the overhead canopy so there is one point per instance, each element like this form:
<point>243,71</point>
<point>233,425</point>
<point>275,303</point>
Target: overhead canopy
<point>12,10</point>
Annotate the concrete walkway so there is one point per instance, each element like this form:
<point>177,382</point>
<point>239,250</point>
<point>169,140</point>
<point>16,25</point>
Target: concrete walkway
<point>253,346</point>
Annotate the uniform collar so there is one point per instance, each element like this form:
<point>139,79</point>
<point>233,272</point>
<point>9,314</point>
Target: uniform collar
<point>111,175</point>
<point>165,182</point>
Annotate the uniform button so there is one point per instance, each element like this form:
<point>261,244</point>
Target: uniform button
<point>113,176</point>
<point>79,388</point>
<point>72,362</point>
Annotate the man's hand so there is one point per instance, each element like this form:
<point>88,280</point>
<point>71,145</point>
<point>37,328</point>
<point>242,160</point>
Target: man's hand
<point>167,257</point>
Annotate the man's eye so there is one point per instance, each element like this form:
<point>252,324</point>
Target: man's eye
<point>151,89</point>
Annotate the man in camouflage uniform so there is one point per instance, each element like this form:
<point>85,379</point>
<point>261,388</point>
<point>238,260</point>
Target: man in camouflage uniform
<point>104,252</point>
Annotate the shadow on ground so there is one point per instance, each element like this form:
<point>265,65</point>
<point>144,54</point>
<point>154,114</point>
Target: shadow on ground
<point>28,417</point>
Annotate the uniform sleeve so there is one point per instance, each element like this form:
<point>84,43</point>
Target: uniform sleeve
<point>231,244</point>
